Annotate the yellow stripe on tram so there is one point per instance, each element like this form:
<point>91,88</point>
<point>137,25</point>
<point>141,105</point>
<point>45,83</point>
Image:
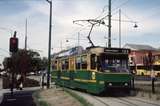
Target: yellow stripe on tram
<point>65,78</point>
<point>83,80</point>
<point>54,77</point>
<point>80,80</point>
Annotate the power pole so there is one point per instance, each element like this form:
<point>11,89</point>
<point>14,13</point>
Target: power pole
<point>119,28</point>
<point>78,38</point>
<point>61,45</point>
<point>25,36</point>
<point>109,24</point>
<point>49,44</point>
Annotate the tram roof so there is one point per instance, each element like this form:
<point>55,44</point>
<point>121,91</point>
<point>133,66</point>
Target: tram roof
<point>96,49</point>
<point>99,49</point>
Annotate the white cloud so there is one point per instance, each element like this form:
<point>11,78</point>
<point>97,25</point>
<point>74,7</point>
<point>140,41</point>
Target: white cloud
<point>64,12</point>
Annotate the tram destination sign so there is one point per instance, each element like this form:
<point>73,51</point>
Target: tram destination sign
<point>116,50</point>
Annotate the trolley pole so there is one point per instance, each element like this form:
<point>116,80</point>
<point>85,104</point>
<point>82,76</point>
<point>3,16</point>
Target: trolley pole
<point>109,24</point>
<point>49,44</point>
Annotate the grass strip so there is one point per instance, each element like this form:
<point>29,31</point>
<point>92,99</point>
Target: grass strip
<point>38,100</point>
<point>83,101</point>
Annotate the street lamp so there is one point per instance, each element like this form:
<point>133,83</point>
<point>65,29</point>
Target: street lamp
<point>135,25</point>
<point>49,44</point>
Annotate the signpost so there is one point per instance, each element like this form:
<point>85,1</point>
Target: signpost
<point>13,48</point>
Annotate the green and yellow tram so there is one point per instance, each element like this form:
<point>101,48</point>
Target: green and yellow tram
<point>95,69</point>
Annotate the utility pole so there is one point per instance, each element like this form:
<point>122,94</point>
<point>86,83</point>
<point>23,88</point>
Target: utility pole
<point>119,28</point>
<point>61,45</point>
<point>25,36</point>
<point>78,38</point>
<point>109,24</point>
<point>49,44</point>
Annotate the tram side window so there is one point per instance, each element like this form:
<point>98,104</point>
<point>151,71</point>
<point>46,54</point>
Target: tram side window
<point>65,64</point>
<point>93,61</point>
<point>78,63</point>
<point>84,62</point>
<point>54,65</point>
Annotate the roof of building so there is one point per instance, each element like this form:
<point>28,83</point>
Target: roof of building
<point>139,47</point>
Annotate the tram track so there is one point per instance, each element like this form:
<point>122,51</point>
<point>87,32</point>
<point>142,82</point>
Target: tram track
<point>127,102</point>
<point>124,101</point>
<point>133,101</point>
<point>143,101</point>
<point>117,101</point>
<point>100,101</point>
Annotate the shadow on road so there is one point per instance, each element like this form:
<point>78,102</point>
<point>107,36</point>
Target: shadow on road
<point>118,93</point>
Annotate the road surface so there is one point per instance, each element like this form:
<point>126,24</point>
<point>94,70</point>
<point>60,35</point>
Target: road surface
<point>0,83</point>
<point>117,100</point>
<point>21,98</point>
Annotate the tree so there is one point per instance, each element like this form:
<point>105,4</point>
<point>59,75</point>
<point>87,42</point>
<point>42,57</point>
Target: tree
<point>24,61</point>
<point>44,63</point>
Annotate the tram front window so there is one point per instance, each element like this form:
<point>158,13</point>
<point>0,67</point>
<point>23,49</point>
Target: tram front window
<point>113,63</point>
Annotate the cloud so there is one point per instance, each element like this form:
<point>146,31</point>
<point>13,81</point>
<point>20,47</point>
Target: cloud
<point>64,12</point>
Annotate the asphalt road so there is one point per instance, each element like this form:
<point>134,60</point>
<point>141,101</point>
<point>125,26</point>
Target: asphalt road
<point>19,98</point>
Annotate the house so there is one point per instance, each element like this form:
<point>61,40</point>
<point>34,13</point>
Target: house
<point>139,52</point>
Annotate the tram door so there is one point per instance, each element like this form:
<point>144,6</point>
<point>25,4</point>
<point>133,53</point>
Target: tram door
<point>71,63</point>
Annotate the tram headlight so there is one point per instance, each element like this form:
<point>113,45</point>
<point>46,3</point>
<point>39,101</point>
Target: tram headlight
<point>125,84</point>
<point>93,75</point>
<point>110,84</point>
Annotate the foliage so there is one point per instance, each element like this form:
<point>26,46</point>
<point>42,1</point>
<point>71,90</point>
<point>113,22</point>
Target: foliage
<point>24,61</point>
<point>44,63</point>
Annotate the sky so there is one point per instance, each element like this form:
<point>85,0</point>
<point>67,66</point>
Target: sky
<point>13,15</point>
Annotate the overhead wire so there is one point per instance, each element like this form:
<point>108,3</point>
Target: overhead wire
<point>102,15</point>
<point>131,20</point>
<point>124,3</point>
